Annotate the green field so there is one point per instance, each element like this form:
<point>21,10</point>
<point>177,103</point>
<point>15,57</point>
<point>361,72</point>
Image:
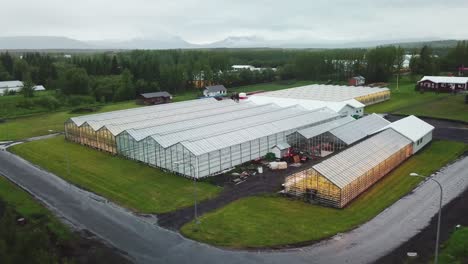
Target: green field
<point>43,124</point>
<point>9,105</point>
<point>126,182</point>
<point>26,206</point>
<point>407,101</point>
<point>455,249</point>
<point>271,220</point>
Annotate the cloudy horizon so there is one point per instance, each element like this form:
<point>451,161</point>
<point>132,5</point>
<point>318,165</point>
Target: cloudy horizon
<point>202,22</point>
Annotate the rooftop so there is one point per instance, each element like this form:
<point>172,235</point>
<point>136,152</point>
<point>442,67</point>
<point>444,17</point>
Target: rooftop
<point>156,94</point>
<point>348,165</point>
<point>319,92</point>
<point>445,79</point>
<point>411,127</point>
<point>359,129</point>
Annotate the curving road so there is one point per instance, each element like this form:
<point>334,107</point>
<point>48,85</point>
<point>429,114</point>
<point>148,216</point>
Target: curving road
<point>146,242</point>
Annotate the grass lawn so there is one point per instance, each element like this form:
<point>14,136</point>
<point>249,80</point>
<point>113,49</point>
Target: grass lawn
<point>126,182</point>
<point>406,100</point>
<point>272,220</point>
<point>25,205</point>
<point>455,249</point>
<point>38,125</point>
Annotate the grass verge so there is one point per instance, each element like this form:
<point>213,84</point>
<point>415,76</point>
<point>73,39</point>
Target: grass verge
<point>267,221</point>
<point>455,249</point>
<point>43,124</point>
<point>26,206</point>
<point>128,183</point>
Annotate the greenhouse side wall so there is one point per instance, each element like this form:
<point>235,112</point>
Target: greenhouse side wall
<point>358,186</point>
<point>374,98</point>
<point>312,186</point>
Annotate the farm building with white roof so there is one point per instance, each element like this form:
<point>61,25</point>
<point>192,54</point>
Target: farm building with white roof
<point>16,86</point>
<point>443,83</point>
<point>339,179</point>
<point>322,140</point>
<point>346,100</point>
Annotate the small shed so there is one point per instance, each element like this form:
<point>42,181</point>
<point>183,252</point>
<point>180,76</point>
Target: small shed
<point>280,150</point>
<point>214,90</point>
<point>357,81</point>
<point>154,98</point>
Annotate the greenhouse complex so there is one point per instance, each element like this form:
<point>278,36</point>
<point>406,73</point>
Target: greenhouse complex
<point>339,179</point>
<point>204,137</point>
<point>324,139</point>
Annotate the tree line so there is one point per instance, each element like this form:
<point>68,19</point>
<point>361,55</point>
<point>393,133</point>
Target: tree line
<point>117,76</point>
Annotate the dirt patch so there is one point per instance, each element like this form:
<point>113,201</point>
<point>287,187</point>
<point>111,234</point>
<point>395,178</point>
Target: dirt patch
<point>453,214</point>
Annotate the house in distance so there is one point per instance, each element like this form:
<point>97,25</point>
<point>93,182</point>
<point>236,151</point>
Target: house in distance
<point>214,90</point>
<point>442,83</point>
<point>357,81</point>
<point>154,98</point>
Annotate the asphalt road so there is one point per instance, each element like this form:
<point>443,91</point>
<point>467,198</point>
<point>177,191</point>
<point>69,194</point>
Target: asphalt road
<point>146,242</point>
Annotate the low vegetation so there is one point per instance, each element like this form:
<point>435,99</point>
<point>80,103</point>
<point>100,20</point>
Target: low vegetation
<point>267,221</point>
<point>43,124</point>
<point>455,249</point>
<point>41,237</point>
<point>405,100</point>
<point>126,182</point>
<point>36,239</point>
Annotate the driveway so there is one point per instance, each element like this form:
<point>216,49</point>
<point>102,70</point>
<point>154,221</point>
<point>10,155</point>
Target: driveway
<point>146,242</point>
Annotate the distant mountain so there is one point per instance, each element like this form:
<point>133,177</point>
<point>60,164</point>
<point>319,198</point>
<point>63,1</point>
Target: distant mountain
<point>433,44</point>
<point>42,42</point>
<point>240,42</point>
<point>170,42</point>
<point>175,42</point>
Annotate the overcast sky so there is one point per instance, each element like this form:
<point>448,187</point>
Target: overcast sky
<point>202,21</point>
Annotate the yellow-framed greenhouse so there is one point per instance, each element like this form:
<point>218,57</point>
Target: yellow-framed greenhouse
<point>344,176</point>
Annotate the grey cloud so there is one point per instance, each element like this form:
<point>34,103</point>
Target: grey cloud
<point>210,20</point>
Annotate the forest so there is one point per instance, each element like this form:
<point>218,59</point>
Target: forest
<point>118,76</point>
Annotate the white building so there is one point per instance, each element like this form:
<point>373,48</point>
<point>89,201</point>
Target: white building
<point>10,86</point>
<point>416,130</point>
<point>346,100</point>
<point>16,86</point>
<point>214,90</point>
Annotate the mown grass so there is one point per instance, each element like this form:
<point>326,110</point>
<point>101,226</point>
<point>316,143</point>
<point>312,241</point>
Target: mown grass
<point>43,124</point>
<point>27,207</point>
<point>455,249</point>
<point>405,100</point>
<point>128,183</point>
<point>265,221</point>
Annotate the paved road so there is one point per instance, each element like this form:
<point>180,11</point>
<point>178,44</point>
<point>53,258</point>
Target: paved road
<point>146,242</point>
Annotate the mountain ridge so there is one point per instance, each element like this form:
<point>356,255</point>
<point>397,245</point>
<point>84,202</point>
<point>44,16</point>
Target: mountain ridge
<point>176,42</point>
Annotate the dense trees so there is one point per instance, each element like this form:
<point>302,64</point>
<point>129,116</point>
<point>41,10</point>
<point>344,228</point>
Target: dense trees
<point>111,76</point>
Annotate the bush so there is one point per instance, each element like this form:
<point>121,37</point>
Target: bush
<point>270,156</point>
<point>76,100</point>
<point>26,103</point>
<point>48,102</point>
